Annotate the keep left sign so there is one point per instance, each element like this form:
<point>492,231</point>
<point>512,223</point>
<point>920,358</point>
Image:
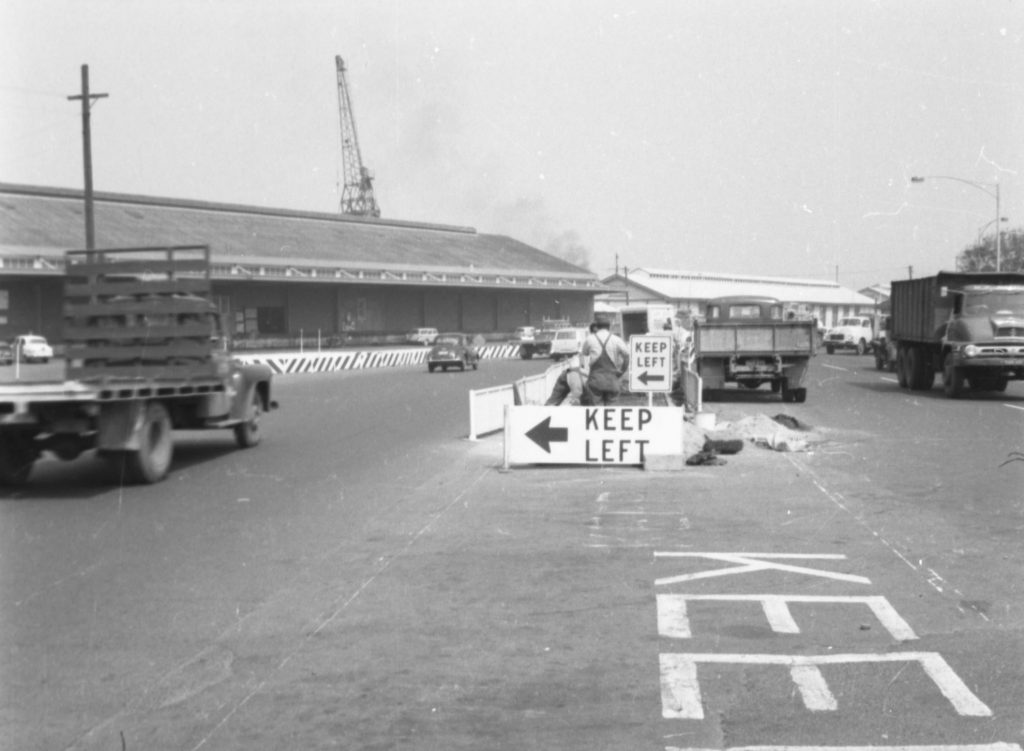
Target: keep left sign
<point>591,435</point>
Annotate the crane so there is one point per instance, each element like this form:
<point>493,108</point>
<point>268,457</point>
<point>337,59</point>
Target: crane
<point>357,195</point>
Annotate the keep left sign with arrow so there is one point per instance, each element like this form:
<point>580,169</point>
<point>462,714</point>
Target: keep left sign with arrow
<point>591,435</point>
<point>650,362</point>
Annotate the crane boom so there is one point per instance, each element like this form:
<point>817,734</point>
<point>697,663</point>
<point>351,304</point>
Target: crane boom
<point>357,194</point>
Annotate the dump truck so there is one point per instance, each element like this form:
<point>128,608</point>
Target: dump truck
<point>969,326</point>
<point>145,353</point>
<point>748,341</point>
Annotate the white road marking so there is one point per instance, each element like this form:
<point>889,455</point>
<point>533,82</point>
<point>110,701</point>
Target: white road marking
<point>673,621</point>
<point>951,747</point>
<point>1013,406</point>
<point>680,689</point>
<point>748,563</point>
<point>889,379</point>
<point>837,367</point>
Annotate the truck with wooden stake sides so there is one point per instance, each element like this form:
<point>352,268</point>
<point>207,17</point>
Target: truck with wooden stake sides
<point>969,326</point>
<point>749,341</point>
<point>145,353</point>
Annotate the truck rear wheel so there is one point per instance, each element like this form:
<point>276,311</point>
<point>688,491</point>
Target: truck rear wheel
<point>862,347</point>
<point>247,434</point>
<point>920,374</point>
<point>16,459</point>
<point>156,447</point>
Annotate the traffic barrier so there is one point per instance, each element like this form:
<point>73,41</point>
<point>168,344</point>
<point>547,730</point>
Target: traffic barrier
<point>487,406</point>
<point>693,386</point>
<point>487,409</point>
<point>325,362</point>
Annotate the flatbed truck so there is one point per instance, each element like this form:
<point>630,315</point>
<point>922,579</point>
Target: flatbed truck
<point>145,353</point>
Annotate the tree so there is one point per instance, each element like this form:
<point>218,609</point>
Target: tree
<point>982,256</point>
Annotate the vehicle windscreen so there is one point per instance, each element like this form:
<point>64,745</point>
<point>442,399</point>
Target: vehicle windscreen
<point>851,322</point>
<point>448,339</point>
<point>994,301</point>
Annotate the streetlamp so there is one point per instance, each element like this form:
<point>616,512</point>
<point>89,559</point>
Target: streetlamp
<point>984,229</point>
<point>991,189</point>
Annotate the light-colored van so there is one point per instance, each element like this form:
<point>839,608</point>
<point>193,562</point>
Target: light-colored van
<point>424,336</point>
<point>567,342</point>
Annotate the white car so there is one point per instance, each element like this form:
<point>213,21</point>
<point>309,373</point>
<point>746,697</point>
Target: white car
<point>32,348</point>
<point>852,332</point>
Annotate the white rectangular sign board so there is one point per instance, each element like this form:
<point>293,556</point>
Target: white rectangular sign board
<point>591,435</point>
<point>650,362</point>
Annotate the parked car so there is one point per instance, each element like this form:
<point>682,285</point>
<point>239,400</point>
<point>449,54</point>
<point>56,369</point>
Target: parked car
<point>424,336</point>
<point>32,348</point>
<point>567,342</point>
<point>6,354</point>
<point>852,332</point>
<point>451,350</point>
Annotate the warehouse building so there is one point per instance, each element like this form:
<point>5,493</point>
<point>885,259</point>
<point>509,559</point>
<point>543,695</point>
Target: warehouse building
<point>690,290</point>
<point>280,274</point>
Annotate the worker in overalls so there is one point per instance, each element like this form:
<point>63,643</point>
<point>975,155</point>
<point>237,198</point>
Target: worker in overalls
<point>608,356</point>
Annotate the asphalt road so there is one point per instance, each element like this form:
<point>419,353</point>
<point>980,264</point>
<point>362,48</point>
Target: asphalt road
<point>368,578</point>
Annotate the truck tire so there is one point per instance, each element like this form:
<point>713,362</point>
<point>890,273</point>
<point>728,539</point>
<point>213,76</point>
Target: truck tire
<point>920,374</point>
<point>16,459</point>
<point>829,349</point>
<point>799,395</point>
<point>247,434</point>
<point>862,347</point>
<point>525,353</point>
<point>901,367</point>
<point>952,378</point>
<point>156,447</point>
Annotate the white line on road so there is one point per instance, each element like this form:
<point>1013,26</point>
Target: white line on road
<point>837,367</point>
<point>748,563</point>
<point>950,747</point>
<point>680,689</point>
<point>673,621</point>
<point>1013,406</point>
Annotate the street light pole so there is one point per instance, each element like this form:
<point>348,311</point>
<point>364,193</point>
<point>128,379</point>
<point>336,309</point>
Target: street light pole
<point>984,188</point>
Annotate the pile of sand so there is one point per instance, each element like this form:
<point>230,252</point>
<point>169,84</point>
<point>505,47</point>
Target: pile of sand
<point>765,431</point>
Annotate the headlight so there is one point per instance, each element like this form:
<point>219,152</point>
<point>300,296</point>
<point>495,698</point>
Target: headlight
<point>970,351</point>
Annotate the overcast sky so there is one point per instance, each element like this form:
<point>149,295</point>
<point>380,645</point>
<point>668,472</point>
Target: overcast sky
<point>758,137</point>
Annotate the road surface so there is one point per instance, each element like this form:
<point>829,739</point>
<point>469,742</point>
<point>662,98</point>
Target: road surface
<point>368,578</point>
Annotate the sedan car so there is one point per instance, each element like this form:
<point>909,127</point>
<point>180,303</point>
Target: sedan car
<point>6,354</point>
<point>32,348</point>
<point>453,350</point>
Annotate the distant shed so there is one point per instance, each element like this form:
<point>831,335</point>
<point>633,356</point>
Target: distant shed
<point>279,272</point>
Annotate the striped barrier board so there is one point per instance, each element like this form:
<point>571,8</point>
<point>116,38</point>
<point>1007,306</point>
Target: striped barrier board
<point>286,363</point>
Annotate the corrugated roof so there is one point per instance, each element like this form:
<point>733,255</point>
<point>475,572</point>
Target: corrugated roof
<point>52,219</point>
<point>696,285</point>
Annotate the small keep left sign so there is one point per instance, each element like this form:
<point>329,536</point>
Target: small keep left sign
<point>591,435</point>
<point>650,362</point>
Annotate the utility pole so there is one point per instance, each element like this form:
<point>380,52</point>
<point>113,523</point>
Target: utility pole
<point>86,97</point>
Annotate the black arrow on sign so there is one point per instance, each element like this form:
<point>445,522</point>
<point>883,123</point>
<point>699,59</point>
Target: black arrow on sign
<point>645,378</point>
<point>544,435</point>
